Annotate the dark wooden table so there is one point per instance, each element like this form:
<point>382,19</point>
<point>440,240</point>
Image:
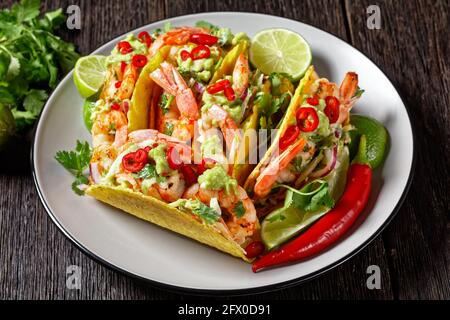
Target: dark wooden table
<point>412,48</point>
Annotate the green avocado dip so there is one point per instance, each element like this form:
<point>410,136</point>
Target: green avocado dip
<point>217,179</point>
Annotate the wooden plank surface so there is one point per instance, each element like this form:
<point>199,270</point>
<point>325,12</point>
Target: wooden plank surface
<point>412,48</point>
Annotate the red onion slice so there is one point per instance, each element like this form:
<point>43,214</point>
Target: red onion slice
<point>95,174</point>
<point>329,167</point>
<point>199,87</point>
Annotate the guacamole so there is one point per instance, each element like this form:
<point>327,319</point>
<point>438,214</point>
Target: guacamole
<point>217,179</point>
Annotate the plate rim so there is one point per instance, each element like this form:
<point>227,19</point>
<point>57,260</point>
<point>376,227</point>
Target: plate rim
<point>228,292</point>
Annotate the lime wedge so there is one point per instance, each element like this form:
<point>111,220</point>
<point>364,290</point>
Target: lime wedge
<point>89,74</point>
<point>280,50</point>
<point>372,142</point>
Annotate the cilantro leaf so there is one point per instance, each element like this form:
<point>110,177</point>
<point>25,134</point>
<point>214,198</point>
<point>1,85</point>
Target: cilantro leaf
<point>311,197</point>
<point>206,25</point>
<point>358,93</point>
<point>239,209</point>
<point>80,180</point>
<point>32,59</point>
<point>75,161</point>
<point>166,101</point>
<point>149,171</point>
<point>198,208</point>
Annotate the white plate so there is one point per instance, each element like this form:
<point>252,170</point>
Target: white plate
<point>148,252</point>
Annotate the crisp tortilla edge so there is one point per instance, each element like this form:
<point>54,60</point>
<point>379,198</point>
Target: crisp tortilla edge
<point>159,213</point>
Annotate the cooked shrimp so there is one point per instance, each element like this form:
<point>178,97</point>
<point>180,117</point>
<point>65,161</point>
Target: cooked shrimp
<point>129,79</point>
<point>217,115</point>
<point>107,125</point>
<point>347,91</point>
<point>241,74</point>
<point>269,174</point>
<point>241,228</point>
<point>167,77</point>
<point>172,189</point>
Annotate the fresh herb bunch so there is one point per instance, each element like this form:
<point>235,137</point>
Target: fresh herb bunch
<point>32,59</point>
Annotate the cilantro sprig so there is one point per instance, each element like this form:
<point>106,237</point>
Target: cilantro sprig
<point>32,59</point>
<point>76,162</point>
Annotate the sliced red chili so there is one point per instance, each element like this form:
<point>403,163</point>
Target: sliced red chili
<point>200,52</point>
<point>307,119</point>
<point>145,37</point>
<point>201,38</point>
<point>123,65</point>
<point>139,60</point>
<point>115,106</point>
<point>229,93</point>
<point>118,84</point>
<point>189,174</point>
<point>254,249</point>
<point>332,108</point>
<point>218,86</point>
<point>288,137</point>
<point>207,163</point>
<point>314,101</point>
<point>124,47</point>
<point>147,149</point>
<point>173,158</point>
<point>135,161</point>
<point>184,54</point>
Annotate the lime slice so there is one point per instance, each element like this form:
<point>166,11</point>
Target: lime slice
<point>373,141</point>
<point>280,50</point>
<point>89,75</point>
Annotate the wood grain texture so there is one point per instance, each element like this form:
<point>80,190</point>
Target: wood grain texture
<point>412,48</point>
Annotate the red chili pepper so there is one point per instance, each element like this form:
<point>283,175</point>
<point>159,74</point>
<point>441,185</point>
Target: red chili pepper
<point>201,38</point>
<point>147,149</point>
<point>254,249</point>
<point>124,47</point>
<point>115,106</point>
<point>218,86</point>
<point>173,158</point>
<point>200,52</point>
<point>144,37</point>
<point>184,54</point>
<point>118,84</point>
<point>207,163</point>
<point>314,101</point>
<point>123,65</point>
<point>139,60</point>
<point>135,161</point>
<point>229,93</point>
<point>328,229</point>
<point>189,174</point>
<point>288,137</point>
<point>332,108</point>
<point>307,119</point>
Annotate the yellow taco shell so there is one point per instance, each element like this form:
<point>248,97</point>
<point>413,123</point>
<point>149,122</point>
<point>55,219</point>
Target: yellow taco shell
<point>161,214</point>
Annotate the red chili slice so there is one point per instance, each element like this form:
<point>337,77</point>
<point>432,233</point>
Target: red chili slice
<point>218,86</point>
<point>118,84</point>
<point>123,65</point>
<point>173,158</point>
<point>184,54</point>
<point>200,52</point>
<point>314,101</point>
<point>289,137</point>
<point>254,249</point>
<point>307,119</point>
<point>139,60</point>
<point>124,47</point>
<point>189,174</point>
<point>135,161</point>
<point>332,108</point>
<point>229,93</point>
<point>201,38</point>
<point>207,163</point>
<point>145,37</point>
<point>115,106</point>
